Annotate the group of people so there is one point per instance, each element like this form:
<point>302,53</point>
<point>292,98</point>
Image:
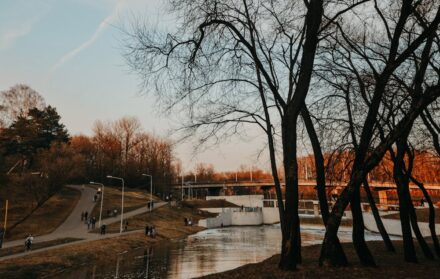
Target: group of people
<point>150,231</point>
<point>89,221</point>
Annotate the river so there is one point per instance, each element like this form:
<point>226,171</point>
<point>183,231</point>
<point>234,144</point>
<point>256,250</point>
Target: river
<point>206,252</point>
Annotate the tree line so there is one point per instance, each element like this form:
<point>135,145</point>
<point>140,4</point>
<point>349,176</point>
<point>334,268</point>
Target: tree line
<point>345,76</point>
<point>38,156</point>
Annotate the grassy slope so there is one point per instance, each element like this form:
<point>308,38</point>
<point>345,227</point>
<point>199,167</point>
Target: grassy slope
<point>169,225</point>
<point>46,218</point>
<point>35,246</point>
<point>133,199</point>
<point>162,218</point>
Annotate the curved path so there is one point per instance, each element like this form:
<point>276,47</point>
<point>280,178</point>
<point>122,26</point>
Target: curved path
<point>73,227</point>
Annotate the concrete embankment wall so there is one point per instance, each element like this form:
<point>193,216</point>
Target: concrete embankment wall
<point>271,215</point>
<point>233,217</point>
<point>241,217</point>
<point>393,226</point>
<point>242,200</point>
<point>223,219</point>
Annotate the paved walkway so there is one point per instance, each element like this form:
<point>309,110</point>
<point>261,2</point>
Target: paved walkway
<point>73,227</point>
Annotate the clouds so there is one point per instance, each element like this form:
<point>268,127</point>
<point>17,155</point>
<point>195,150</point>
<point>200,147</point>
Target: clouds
<point>100,29</point>
<point>8,38</point>
<point>18,19</point>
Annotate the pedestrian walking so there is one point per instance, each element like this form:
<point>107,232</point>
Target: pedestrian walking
<point>93,222</point>
<point>2,233</point>
<point>89,222</point>
<point>28,242</point>
<point>153,232</point>
<point>103,228</point>
<point>86,214</point>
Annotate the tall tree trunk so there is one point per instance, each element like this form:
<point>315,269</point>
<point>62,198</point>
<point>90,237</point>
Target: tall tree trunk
<point>359,243</point>
<point>431,215</point>
<point>320,175</point>
<point>402,183</point>
<point>380,226</point>
<point>329,255</point>
<point>403,147</point>
<point>291,241</point>
<point>415,226</point>
<point>271,144</point>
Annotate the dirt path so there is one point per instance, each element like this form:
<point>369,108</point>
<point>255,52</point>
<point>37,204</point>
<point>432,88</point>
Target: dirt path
<point>74,227</point>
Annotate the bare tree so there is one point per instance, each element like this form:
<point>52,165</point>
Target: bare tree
<point>17,101</point>
<point>231,64</point>
<point>126,130</point>
<point>404,34</point>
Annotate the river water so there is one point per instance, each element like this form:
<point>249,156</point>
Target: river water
<point>206,252</point>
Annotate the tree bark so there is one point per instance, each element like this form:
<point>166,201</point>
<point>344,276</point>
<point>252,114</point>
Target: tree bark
<point>431,215</point>
<point>380,226</point>
<point>402,183</point>
<point>320,176</point>
<point>364,254</point>
<point>415,226</point>
<point>291,239</point>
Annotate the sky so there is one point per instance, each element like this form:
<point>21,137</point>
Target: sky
<point>70,51</point>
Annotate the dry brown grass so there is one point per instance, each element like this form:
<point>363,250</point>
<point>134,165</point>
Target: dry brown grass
<point>162,218</point>
<point>167,220</point>
<point>46,218</point>
<point>35,246</point>
<point>390,266</point>
<point>422,215</point>
<point>133,199</point>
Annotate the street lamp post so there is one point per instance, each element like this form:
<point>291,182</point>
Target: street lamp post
<point>151,189</point>
<point>182,186</point>
<point>102,199</point>
<point>122,201</point>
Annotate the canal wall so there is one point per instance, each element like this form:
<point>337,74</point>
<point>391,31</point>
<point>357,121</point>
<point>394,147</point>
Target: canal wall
<point>393,226</point>
<point>246,216</point>
<point>241,200</point>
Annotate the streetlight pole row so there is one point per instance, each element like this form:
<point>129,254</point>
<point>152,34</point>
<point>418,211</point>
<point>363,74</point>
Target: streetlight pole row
<point>102,199</point>
<point>122,201</point>
<point>151,189</point>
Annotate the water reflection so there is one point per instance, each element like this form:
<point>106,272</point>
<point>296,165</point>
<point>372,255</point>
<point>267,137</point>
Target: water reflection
<point>204,253</point>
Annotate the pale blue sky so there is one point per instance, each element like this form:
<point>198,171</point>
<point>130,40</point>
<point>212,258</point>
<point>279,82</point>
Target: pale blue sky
<point>70,52</point>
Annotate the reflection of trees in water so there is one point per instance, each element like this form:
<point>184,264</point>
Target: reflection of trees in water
<point>209,251</point>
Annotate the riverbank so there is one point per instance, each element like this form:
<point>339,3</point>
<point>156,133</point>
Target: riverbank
<point>49,263</point>
<point>389,266</point>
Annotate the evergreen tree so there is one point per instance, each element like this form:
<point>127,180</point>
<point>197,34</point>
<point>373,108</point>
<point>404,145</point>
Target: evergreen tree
<point>36,131</point>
